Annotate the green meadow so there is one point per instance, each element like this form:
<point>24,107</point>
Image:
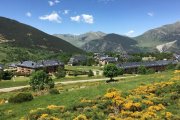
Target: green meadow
<point>71,94</point>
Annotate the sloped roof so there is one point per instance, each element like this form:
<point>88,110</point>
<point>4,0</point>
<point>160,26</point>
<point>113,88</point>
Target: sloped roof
<point>43,63</point>
<point>177,56</point>
<point>126,56</point>
<point>146,63</point>
<point>81,57</point>
<point>13,65</point>
<point>109,59</point>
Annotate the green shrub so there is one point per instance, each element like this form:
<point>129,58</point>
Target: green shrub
<point>53,91</point>
<point>170,66</point>
<point>174,95</point>
<point>178,66</point>
<point>141,69</point>
<point>90,73</point>
<point>20,97</point>
<point>87,109</point>
<point>150,71</point>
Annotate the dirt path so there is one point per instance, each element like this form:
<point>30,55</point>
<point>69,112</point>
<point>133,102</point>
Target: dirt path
<point>67,82</point>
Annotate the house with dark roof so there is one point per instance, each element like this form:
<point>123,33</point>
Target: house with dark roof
<point>125,56</point>
<point>50,66</point>
<point>77,59</point>
<point>98,56</point>
<point>13,66</point>
<point>176,56</point>
<point>1,67</point>
<point>155,65</point>
<point>107,60</point>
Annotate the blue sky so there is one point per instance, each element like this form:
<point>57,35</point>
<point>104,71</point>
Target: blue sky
<point>125,17</point>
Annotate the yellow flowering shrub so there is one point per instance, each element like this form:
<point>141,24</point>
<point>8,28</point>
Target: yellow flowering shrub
<point>60,88</point>
<point>159,107</point>
<point>2,101</point>
<point>80,117</point>
<point>85,101</point>
<point>147,102</point>
<point>52,106</point>
<point>10,112</point>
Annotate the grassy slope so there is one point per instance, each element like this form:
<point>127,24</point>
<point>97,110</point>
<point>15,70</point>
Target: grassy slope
<point>22,35</point>
<point>67,98</point>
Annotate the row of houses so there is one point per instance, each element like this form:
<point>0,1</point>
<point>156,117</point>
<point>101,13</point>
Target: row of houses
<point>155,65</point>
<point>26,67</point>
<point>101,57</point>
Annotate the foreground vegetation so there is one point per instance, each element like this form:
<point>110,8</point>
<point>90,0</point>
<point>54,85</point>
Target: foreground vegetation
<point>93,102</point>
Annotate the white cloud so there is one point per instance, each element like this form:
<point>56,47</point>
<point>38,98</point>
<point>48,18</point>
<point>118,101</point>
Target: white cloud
<point>66,11</point>
<point>105,1</point>
<point>130,32</point>
<point>56,1</point>
<point>28,14</point>
<point>51,3</point>
<point>52,17</point>
<point>151,14</point>
<point>87,18</point>
<point>77,18</point>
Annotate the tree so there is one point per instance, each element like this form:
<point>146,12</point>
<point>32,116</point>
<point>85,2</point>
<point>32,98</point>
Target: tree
<point>74,64</point>
<point>121,71</point>
<point>83,63</point>
<point>150,71</point>
<point>129,71</point>
<point>178,66</point>
<point>60,73</point>
<point>39,79</point>
<point>75,73</point>
<point>110,70</point>
<point>170,66</point>
<point>141,69</point>
<point>90,73</point>
<point>1,74</point>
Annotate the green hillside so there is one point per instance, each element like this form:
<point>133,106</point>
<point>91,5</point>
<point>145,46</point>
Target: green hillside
<point>22,35</point>
<point>167,33</point>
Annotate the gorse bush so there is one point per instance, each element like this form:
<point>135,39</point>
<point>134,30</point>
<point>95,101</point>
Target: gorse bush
<point>53,91</point>
<point>20,97</point>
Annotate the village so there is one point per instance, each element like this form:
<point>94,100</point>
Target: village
<point>51,66</point>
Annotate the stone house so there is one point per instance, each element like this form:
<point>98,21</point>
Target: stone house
<point>107,60</point>
<point>50,66</point>
<point>77,59</point>
<point>13,66</point>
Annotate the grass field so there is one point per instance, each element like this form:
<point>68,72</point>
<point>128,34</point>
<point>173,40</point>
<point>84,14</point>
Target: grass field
<point>22,81</point>
<point>86,68</point>
<point>70,97</point>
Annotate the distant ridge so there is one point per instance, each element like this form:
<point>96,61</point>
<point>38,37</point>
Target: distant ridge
<point>79,40</point>
<point>111,43</point>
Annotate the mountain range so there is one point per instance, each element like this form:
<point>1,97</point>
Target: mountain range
<point>111,43</point>
<point>158,39</point>
<point>21,35</point>
<point>79,40</point>
<point>162,39</point>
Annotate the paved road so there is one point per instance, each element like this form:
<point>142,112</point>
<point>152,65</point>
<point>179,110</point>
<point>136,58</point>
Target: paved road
<point>67,82</point>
